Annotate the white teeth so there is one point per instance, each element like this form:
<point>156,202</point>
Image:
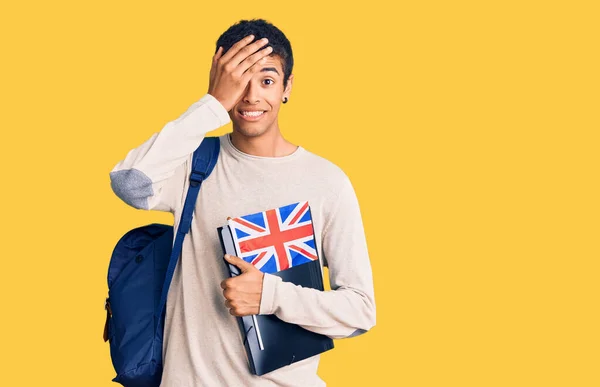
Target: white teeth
<point>252,114</point>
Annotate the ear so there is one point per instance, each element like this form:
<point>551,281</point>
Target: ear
<point>288,88</point>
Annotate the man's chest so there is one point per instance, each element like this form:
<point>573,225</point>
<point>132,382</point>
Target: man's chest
<point>240,193</point>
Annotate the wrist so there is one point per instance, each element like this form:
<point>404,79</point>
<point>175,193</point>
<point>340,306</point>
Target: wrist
<point>221,100</point>
<point>269,293</point>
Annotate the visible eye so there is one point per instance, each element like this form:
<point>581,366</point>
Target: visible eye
<point>269,79</point>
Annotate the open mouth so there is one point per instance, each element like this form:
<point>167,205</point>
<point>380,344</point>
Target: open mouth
<point>254,115</point>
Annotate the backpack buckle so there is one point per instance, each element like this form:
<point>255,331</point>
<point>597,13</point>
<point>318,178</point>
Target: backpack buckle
<point>196,178</point>
<point>107,306</point>
<point>108,317</point>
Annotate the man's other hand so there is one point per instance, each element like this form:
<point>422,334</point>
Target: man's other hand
<point>243,292</point>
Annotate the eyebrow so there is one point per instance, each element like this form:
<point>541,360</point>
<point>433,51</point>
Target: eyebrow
<point>270,69</point>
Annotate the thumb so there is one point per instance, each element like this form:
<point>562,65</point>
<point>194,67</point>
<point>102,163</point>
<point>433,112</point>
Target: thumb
<point>239,262</point>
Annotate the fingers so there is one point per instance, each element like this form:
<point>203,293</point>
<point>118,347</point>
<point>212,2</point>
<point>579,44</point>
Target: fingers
<point>225,283</point>
<point>239,262</point>
<point>237,46</point>
<point>247,51</point>
<point>232,259</point>
<point>240,298</point>
<point>250,63</point>
<point>216,58</point>
<point>218,54</point>
<point>237,310</point>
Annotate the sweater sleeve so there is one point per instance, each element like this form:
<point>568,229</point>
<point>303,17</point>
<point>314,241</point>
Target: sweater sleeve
<point>349,308</point>
<point>152,176</point>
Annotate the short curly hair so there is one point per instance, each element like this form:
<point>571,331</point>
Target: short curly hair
<point>261,28</point>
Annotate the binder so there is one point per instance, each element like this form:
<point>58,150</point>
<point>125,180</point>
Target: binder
<point>270,342</point>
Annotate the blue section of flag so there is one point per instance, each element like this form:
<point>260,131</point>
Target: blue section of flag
<point>270,266</point>
<point>250,258</point>
<point>299,259</point>
<point>306,217</point>
<point>257,219</point>
<point>285,211</point>
<point>240,233</point>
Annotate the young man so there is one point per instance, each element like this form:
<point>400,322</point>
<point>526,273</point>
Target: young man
<point>257,170</point>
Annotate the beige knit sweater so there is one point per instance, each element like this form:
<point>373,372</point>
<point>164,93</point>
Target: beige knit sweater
<point>202,343</point>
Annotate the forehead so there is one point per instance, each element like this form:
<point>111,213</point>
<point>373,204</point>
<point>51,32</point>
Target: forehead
<point>272,62</point>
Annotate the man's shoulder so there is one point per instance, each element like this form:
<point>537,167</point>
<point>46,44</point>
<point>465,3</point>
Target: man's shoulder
<point>325,170</point>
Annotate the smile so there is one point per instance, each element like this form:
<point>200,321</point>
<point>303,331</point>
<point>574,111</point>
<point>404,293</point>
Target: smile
<point>251,115</point>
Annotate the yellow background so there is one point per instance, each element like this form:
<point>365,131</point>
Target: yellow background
<point>469,130</point>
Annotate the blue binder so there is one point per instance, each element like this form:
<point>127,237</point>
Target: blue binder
<point>270,342</point>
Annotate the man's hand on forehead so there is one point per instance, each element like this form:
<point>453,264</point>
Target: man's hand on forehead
<point>230,73</point>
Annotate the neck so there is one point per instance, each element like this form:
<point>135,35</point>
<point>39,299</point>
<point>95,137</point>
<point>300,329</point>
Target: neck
<point>269,144</point>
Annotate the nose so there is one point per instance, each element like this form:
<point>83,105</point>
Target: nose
<point>251,95</point>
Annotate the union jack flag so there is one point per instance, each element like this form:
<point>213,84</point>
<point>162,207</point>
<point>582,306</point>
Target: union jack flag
<point>275,239</point>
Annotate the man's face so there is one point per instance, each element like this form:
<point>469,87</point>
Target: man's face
<point>264,93</point>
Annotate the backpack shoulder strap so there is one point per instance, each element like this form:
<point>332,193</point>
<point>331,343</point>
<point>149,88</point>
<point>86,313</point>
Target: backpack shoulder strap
<point>203,162</point>
<point>205,159</point>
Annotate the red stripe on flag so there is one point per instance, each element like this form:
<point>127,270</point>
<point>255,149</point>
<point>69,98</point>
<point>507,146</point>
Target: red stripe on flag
<point>277,237</point>
<point>313,257</point>
<point>255,261</point>
<point>249,225</point>
<point>299,213</point>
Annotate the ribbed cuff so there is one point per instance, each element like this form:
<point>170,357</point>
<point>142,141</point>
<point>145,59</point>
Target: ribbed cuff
<point>217,108</point>
<point>269,290</point>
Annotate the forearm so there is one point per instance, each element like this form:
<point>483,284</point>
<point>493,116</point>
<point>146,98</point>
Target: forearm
<point>349,308</point>
<point>139,179</point>
<point>339,313</point>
